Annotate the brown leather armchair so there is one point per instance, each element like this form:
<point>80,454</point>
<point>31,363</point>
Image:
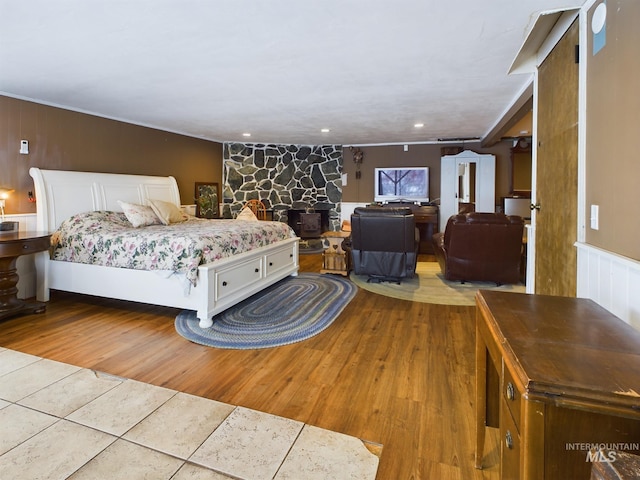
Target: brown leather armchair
<point>482,247</point>
<point>384,243</point>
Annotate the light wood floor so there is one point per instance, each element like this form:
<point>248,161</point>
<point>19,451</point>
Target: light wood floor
<point>389,371</point>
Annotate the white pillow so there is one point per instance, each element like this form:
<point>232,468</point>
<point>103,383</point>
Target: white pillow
<point>139,215</point>
<point>247,214</point>
<point>167,212</point>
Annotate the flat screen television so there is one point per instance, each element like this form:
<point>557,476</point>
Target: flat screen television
<point>408,184</point>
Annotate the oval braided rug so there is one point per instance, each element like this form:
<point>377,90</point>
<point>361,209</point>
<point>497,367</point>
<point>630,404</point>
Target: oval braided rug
<point>292,310</point>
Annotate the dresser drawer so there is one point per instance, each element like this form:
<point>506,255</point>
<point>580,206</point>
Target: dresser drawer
<point>509,445</point>
<point>512,397</point>
<point>24,246</point>
<point>238,277</point>
<point>279,260</point>
<point>426,218</point>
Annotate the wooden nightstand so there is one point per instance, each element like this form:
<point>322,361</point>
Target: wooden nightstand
<point>12,246</point>
<point>334,258</point>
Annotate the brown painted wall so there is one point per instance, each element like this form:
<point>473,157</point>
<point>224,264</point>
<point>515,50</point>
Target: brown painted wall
<point>613,126</point>
<point>417,155</point>
<point>65,140</point>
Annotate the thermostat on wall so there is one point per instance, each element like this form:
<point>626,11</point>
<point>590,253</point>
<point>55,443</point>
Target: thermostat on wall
<point>24,147</point>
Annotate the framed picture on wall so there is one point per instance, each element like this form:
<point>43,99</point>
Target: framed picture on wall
<point>207,200</point>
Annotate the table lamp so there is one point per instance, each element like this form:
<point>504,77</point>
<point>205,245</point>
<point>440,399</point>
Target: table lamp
<point>6,226</point>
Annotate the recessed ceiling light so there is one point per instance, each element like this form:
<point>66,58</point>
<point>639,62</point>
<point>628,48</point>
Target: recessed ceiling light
<point>418,125</point>
<point>325,130</point>
<point>246,134</point>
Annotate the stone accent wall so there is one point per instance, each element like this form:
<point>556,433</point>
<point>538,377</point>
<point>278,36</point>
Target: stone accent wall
<point>283,177</point>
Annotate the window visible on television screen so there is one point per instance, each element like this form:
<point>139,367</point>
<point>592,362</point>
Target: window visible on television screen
<point>402,183</point>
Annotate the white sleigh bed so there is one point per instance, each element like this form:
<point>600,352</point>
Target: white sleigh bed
<point>221,283</point>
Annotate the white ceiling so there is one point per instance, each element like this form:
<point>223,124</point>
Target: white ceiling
<point>280,69</point>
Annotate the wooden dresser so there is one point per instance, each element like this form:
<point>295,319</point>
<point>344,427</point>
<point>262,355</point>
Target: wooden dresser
<point>426,217</point>
<point>427,223</point>
<point>558,376</point>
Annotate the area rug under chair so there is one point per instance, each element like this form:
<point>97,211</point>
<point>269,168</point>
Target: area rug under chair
<point>292,310</point>
<point>430,286</point>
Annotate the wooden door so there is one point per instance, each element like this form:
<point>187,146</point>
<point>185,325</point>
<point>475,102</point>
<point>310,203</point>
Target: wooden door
<point>557,170</point>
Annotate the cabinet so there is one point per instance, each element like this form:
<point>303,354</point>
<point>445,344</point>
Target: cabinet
<point>466,178</point>
<point>568,373</point>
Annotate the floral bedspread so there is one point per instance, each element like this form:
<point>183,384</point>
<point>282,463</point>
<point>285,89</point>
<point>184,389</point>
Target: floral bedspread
<point>108,239</point>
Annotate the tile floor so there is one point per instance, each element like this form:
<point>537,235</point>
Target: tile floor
<point>60,421</point>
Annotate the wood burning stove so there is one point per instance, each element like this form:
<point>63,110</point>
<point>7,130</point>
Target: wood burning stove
<point>308,223</point>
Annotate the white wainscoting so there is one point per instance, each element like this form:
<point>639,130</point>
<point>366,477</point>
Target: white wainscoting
<point>611,280</point>
<point>26,263</point>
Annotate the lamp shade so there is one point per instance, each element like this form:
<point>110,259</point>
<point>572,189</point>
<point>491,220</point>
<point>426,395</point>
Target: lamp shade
<point>4,192</point>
